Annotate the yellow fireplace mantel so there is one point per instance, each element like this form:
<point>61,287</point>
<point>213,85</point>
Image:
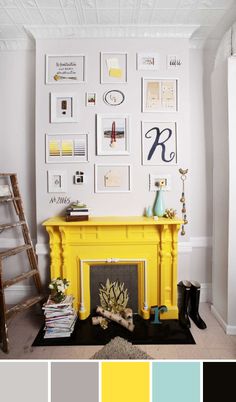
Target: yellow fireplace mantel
<point>151,245</point>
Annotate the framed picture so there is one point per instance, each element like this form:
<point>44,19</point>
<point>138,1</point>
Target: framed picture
<point>113,68</point>
<point>147,61</point>
<point>159,95</point>
<point>91,98</point>
<point>173,62</point>
<point>66,148</point>
<point>64,108</point>
<point>113,134</point>
<point>159,143</point>
<point>56,181</point>
<point>113,97</point>
<point>65,69</point>
<point>112,178</point>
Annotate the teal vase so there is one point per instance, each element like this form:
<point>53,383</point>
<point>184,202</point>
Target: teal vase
<point>159,206</point>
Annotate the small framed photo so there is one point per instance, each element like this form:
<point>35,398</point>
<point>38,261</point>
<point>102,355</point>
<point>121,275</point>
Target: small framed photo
<point>159,95</point>
<point>56,181</point>
<point>65,69</point>
<point>64,108</point>
<point>66,148</point>
<point>112,178</point>
<point>159,143</point>
<point>147,61</point>
<point>113,134</point>
<point>173,62</point>
<point>91,98</point>
<point>113,68</point>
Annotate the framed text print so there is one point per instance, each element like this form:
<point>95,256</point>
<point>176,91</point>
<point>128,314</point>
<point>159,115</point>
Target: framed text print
<point>66,148</point>
<point>113,68</point>
<point>112,178</point>
<point>112,134</point>
<point>56,181</point>
<point>65,69</point>
<point>159,143</point>
<point>159,95</point>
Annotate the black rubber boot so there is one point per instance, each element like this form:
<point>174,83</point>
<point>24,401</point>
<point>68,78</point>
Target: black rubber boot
<point>183,302</point>
<point>194,305</point>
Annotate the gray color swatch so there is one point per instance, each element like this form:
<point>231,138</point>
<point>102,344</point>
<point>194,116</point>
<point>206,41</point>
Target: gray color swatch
<point>24,381</point>
<point>74,381</point>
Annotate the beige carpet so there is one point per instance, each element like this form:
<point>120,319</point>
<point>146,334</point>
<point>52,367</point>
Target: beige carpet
<point>119,348</point>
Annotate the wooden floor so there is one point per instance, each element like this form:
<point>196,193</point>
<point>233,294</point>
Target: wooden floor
<point>211,343</point>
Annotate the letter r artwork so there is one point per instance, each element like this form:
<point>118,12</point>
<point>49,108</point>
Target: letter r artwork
<point>159,143</point>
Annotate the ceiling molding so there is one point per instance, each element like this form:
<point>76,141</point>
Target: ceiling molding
<point>110,31</point>
<point>16,44</point>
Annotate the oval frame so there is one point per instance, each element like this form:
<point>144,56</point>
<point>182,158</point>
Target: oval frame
<point>116,91</point>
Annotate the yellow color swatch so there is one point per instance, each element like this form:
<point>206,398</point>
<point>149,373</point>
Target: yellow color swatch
<point>115,72</point>
<point>67,148</point>
<point>54,148</point>
<point>125,381</point>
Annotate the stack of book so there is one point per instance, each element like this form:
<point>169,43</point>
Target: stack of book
<point>77,212</point>
<point>60,318</point>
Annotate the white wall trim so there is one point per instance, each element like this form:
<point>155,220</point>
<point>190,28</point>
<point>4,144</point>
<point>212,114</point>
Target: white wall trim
<point>229,329</point>
<point>110,31</point>
<point>184,247</point>
<point>16,44</point>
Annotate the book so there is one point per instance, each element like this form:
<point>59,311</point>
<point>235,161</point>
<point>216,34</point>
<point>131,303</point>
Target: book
<point>77,218</point>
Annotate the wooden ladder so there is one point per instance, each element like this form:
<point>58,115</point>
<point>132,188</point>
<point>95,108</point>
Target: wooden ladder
<point>14,197</point>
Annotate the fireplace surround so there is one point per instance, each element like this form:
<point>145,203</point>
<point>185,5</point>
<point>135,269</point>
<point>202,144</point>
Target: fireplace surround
<point>151,245</point>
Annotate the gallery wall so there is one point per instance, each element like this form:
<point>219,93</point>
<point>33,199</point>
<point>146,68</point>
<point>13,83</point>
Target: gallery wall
<point>195,247</point>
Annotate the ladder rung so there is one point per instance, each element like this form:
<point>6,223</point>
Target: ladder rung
<point>23,306</point>
<point>15,250</point>
<point>19,278</point>
<point>7,174</point>
<point>8,199</point>
<point>11,225</point>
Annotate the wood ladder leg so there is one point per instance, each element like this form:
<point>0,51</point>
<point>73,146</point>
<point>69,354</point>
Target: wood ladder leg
<point>3,321</point>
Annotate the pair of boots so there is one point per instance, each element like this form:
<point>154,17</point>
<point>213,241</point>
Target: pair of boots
<point>188,303</point>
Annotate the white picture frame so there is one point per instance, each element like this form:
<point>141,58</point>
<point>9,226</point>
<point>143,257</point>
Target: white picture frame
<point>91,99</point>
<point>56,180</point>
<point>147,61</point>
<point>65,69</point>
<point>113,134</point>
<point>174,61</point>
<point>159,94</point>
<point>66,148</point>
<point>159,143</point>
<point>64,107</point>
<point>113,67</point>
<point>112,178</point>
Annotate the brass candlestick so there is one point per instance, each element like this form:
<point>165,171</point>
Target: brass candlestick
<point>183,177</point>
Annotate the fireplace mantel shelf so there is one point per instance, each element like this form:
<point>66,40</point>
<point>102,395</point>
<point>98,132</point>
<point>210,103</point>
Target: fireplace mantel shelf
<point>113,221</point>
<point>151,245</point>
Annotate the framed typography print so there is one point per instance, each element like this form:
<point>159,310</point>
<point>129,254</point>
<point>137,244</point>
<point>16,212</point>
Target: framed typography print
<point>159,143</point>
<point>113,134</point>
<point>159,95</point>
<point>113,68</point>
<point>112,178</point>
<point>65,69</point>
<point>66,148</point>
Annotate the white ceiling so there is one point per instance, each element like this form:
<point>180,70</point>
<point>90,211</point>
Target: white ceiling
<point>209,18</point>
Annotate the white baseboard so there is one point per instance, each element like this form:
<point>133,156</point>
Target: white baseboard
<point>229,329</point>
<point>14,294</point>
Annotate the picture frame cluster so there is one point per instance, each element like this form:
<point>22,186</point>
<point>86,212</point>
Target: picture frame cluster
<point>159,96</point>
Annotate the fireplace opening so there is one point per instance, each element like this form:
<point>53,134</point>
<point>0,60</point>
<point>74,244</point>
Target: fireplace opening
<point>124,273</point>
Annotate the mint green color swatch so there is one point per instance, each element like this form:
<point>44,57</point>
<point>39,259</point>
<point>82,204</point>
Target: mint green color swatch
<point>176,381</point>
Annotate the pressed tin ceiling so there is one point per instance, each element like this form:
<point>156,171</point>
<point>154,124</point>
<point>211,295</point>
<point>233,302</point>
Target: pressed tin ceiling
<point>198,19</point>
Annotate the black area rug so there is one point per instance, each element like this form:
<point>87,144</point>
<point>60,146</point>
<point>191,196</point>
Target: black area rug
<point>169,332</point>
